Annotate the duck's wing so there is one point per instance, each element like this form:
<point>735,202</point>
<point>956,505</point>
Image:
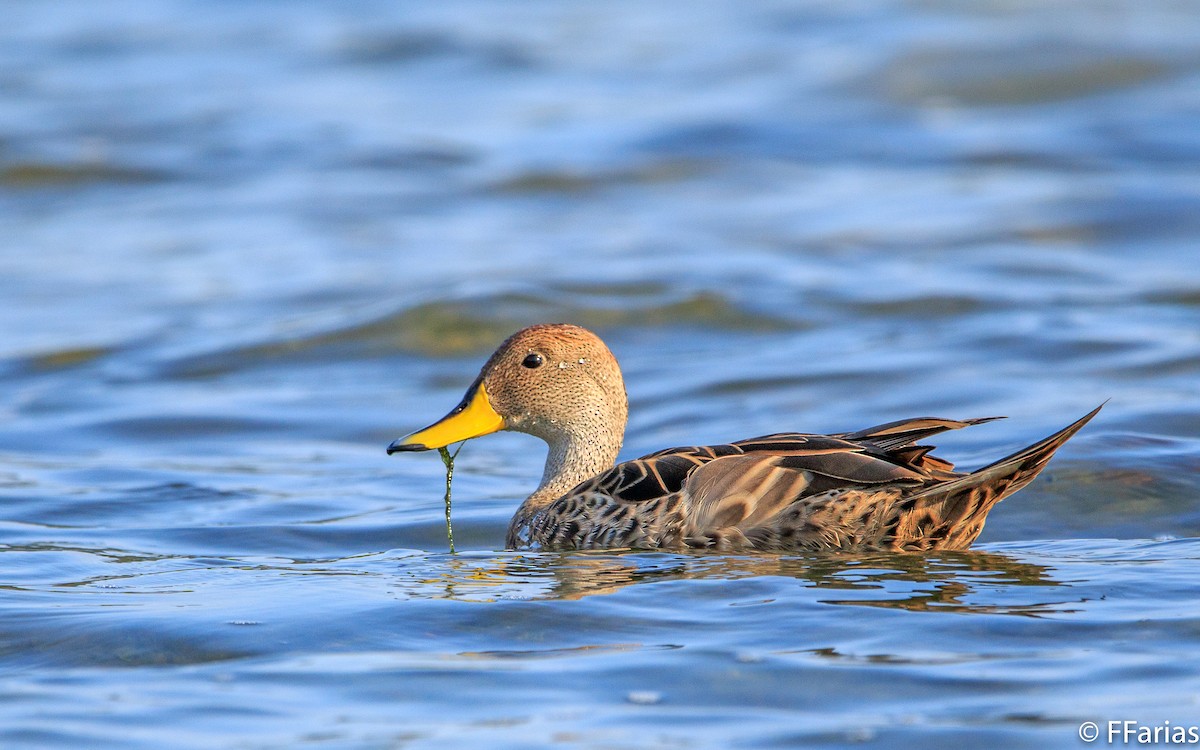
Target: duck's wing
<point>667,471</point>
<point>889,494</point>
<point>832,496</point>
<point>712,496</point>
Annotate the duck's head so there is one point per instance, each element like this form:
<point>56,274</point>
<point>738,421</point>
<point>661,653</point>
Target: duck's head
<point>558,382</point>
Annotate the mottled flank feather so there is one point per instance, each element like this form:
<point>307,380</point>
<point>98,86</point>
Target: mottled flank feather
<point>874,489</point>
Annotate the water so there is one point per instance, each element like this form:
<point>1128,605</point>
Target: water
<point>246,245</point>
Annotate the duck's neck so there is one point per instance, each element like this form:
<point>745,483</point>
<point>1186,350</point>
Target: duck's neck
<point>570,462</point>
<point>572,459</point>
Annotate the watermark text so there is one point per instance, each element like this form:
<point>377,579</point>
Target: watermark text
<point>1124,732</point>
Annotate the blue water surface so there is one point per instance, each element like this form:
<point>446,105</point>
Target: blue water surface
<point>247,244</point>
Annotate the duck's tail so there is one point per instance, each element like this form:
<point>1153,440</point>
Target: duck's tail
<point>961,505</point>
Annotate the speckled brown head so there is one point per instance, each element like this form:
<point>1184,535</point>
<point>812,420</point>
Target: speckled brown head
<point>558,382</point>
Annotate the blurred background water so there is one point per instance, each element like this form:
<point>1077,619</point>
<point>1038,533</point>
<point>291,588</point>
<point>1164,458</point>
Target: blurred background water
<point>246,244</point>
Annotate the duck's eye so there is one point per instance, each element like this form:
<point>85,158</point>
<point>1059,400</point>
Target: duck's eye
<point>532,361</point>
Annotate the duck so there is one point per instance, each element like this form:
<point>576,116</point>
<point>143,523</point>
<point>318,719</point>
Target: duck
<point>873,490</point>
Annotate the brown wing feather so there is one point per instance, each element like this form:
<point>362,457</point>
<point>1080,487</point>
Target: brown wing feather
<point>908,431</point>
<point>770,501</point>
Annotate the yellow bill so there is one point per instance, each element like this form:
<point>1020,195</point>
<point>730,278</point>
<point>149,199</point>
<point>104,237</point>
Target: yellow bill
<point>472,418</point>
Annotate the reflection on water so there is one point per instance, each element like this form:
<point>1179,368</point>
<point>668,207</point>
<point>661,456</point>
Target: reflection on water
<point>947,582</point>
<point>962,582</point>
